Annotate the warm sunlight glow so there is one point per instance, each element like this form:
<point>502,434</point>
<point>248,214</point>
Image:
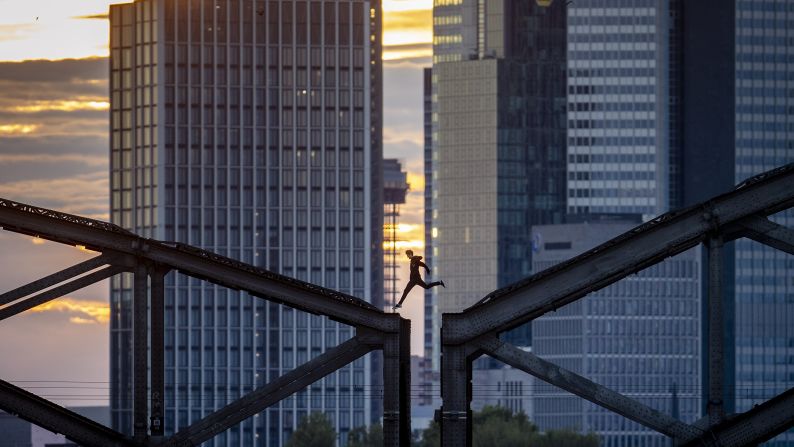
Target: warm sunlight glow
<point>94,311</point>
<point>406,5</point>
<point>28,30</point>
<point>63,106</point>
<point>398,53</point>
<point>53,29</point>
<point>404,245</point>
<point>17,129</point>
<point>37,241</point>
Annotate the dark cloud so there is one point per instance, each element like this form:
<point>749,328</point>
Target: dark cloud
<point>104,16</point>
<point>61,71</point>
<point>403,107</point>
<point>54,134</point>
<point>90,145</point>
<point>425,46</point>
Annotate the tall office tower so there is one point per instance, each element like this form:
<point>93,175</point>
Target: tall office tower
<point>623,91</point>
<point>429,378</point>
<point>739,84</point>
<point>640,337</point>
<point>431,315</point>
<point>251,129</point>
<point>498,162</point>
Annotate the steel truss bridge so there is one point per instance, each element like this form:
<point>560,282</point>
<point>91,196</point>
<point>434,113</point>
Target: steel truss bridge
<point>464,336</point>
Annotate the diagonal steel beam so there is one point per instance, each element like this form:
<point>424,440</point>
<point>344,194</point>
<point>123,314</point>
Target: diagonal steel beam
<point>769,233</point>
<point>57,292</point>
<point>648,244</point>
<point>267,395</point>
<point>586,389</point>
<point>57,419</point>
<point>194,262</point>
<point>55,278</point>
<point>762,423</point>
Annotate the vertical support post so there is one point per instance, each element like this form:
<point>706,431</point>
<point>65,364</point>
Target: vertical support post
<point>139,354</point>
<point>405,382</point>
<point>456,423</point>
<point>156,313</point>
<point>397,386</point>
<point>716,411</point>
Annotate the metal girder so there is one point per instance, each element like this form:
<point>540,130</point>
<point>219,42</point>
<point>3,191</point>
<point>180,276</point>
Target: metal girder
<point>57,419</point>
<point>157,352</point>
<point>140,356</point>
<point>57,292</point>
<point>456,422</point>
<point>715,407</point>
<point>397,387</point>
<point>586,389</point>
<point>55,278</point>
<point>303,296</point>
<point>640,248</point>
<point>267,395</point>
<point>761,423</point>
<point>769,233</point>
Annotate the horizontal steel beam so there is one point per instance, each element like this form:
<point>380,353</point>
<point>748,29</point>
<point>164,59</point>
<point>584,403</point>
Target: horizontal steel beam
<point>769,233</point>
<point>760,424</point>
<point>640,248</point>
<point>57,292</point>
<point>197,263</point>
<point>57,419</point>
<point>586,389</point>
<point>267,395</point>
<point>55,278</point>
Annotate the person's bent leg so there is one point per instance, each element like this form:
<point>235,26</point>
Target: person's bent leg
<point>433,284</point>
<point>408,288</point>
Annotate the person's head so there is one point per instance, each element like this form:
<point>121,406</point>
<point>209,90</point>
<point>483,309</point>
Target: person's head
<point>409,253</point>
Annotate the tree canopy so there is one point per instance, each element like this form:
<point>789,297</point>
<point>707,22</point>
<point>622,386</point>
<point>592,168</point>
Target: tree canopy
<point>499,427</point>
<point>314,430</point>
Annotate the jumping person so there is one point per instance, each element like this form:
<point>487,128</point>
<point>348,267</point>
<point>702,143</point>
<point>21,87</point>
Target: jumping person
<point>416,277</point>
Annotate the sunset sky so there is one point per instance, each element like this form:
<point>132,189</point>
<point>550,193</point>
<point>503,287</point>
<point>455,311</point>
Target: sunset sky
<point>54,153</point>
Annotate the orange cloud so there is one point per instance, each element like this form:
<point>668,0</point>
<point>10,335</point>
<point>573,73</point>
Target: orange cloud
<point>63,105</point>
<point>88,312</point>
<point>17,129</point>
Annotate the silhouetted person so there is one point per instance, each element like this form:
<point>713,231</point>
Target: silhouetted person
<point>416,277</point>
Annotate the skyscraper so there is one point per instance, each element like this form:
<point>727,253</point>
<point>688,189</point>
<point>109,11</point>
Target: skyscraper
<point>498,134</point>
<point>714,79</point>
<point>739,84</point>
<point>251,129</point>
<point>623,85</point>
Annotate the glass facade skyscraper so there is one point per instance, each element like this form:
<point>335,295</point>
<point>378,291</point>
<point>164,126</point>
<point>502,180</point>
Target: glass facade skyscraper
<point>738,123</point>
<point>623,129</point>
<point>498,136</point>
<point>640,337</point>
<point>714,78</point>
<point>252,129</point>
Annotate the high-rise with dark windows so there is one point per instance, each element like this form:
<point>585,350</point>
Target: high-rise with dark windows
<point>738,113</point>
<point>252,129</point>
<point>498,136</point>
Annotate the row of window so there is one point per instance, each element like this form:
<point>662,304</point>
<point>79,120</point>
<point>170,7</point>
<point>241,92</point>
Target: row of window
<point>605,143</point>
<point>625,89</point>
